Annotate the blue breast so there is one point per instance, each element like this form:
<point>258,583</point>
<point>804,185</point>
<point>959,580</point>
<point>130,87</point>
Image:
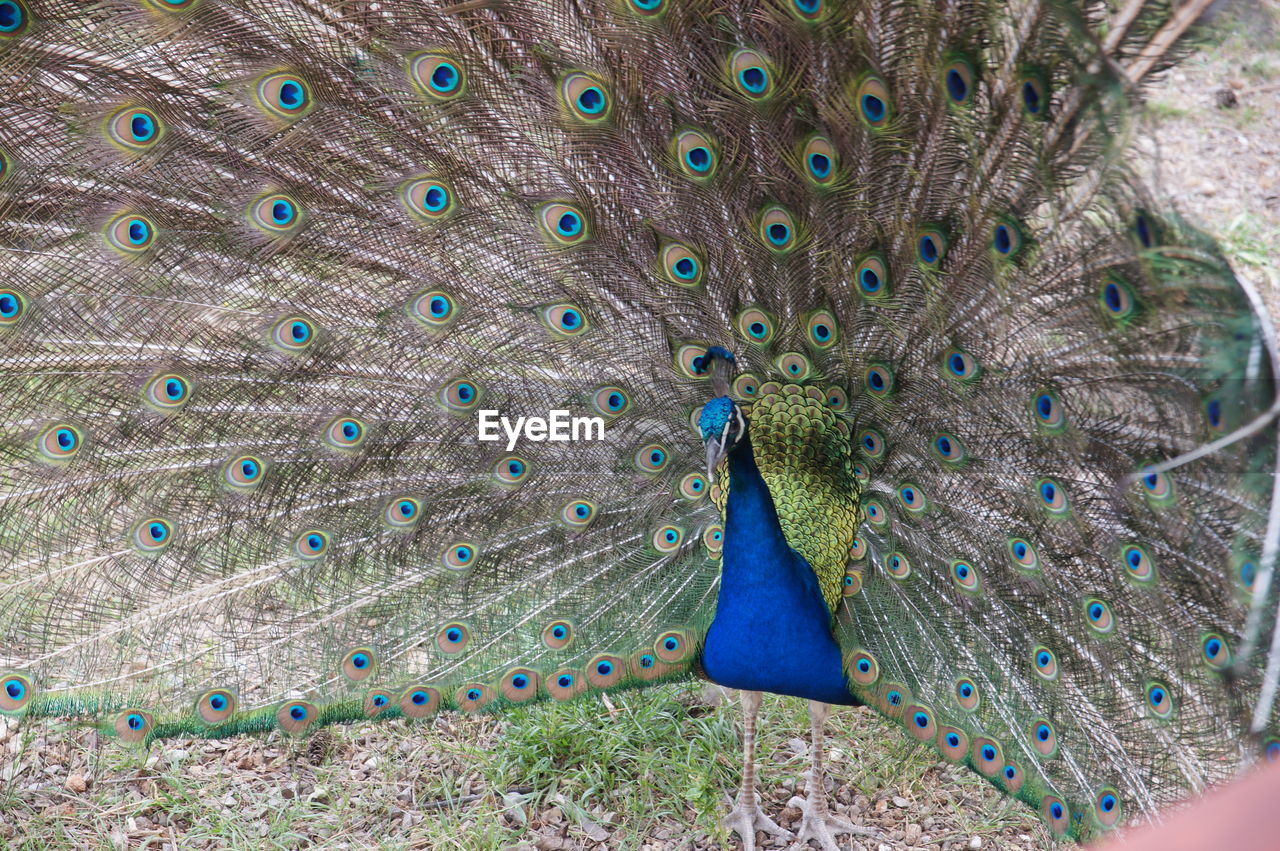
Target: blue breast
<point>772,630</point>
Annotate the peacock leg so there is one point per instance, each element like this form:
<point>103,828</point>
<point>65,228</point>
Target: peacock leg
<point>819,822</point>
<point>746,817</point>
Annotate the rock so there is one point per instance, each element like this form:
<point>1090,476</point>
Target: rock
<point>77,783</point>
<point>901,802</point>
<point>1225,98</point>
<point>911,834</point>
<point>975,843</point>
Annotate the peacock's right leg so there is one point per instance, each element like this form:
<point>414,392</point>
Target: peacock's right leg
<point>746,817</point>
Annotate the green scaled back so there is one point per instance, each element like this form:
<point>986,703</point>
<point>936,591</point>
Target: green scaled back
<point>268,263</point>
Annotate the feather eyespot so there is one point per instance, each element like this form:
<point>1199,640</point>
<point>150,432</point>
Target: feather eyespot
<point>511,470</point>
<point>13,19</point>
<point>437,76</point>
<point>243,472</point>
<point>863,668</point>
<point>377,701</point>
<point>647,8</point>
<point>427,198</point>
<point>713,538</point>
<point>1053,496</point>
<point>419,701</point>
<point>878,379</point>
<point>474,697</point>
<point>795,366</point>
<point>958,79</point>
<point>673,646</point>
<point>861,473</point>
<point>168,392</point>
<point>453,637</point>
<point>691,360</point>
<point>837,399</point>
<point>276,214</point>
<point>60,442</point>
<point>345,433</point>
<point>1213,411</point>
<point>652,458</point>
<point>134,128</point>
<point>953,743</point>
<point>130,234</point>
<point>697,154</point>
<point>359,664</point>
<point>435,309</point>
<point>520,685</point>
<point>1043,738</point>
<point>875,107</point>
<point>1013,777</point>
<point>820,161</point>
<point>216,706</point>
<point>1046,664</point>
<point>809,11</point>
<point>1138,564</point>
<point>987,757</point>
<point>460,395</point>
<point>967,694</point>
<point>858,550</point>
<point>1055,814</point>
<point>403,513</point>
<point>1116,298</point>
<point>1006,239</point>
<point>1216,653</point>
<point>564,223</point>
<point>152,536</point>
<point>1157,487</point>
<point>931,247</point>
<point>1047,411</point>
<point>872,276</point>
<point>1034,94</point>
<point>311,544</point>
<point>693,487</point>
<point>871,443</point>
<point>1142,229</point>
<point>851,583</point>
<point>897,565</point>
<point>912,498</point>
<point>1159,700</point>
<point>777,230</point>
<point>171,5</point>
<point>293,334</point>
<point>565,320</point>
<point>15,693</point>
<point>948,448</point>
<point>133,726</point>
<point>557,635</point>
<point>959,365</point>
<point>606,670</point>
<point>1024,555</point>
<point>586,97</point>
<point>822,329</point>
<point>1271,749</point>
<point>566,684</point>
<point>755,325</point>
<point>920,723</point>
<point>965,576</point>
<point>1107,808</point>
<point>1248,573</point>
<point>751,74</point>
<point>666,539</point>
<point>578,514</point>
<point>12,305</point>
<point>680,265</point>
<point>610,401</point>
<point>1099,617</point>
<point>284,95</point>
<point>460,556</point>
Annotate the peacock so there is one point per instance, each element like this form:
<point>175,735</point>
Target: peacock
<point>842,350</point>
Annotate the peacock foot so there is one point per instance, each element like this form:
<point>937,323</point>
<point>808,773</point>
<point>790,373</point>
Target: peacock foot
<point>824,826</point>
<point>746,819</point>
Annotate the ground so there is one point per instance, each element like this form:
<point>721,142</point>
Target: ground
<point>642,770</point>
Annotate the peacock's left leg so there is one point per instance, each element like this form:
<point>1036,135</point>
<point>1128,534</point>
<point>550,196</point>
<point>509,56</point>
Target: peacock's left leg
<point>746,817</point>
<point>819,822</point>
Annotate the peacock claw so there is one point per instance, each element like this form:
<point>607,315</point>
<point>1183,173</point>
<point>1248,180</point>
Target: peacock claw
<point>825,826</point>
<point>746,819</point>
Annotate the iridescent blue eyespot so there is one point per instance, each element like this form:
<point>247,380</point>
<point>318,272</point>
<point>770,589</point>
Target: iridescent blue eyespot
<point>13,18</point>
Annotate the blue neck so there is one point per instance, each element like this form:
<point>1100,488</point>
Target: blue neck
<point>772,629</point>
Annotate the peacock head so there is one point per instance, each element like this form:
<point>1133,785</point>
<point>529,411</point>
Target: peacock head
<point>721,421</point>
<point>722,425</point>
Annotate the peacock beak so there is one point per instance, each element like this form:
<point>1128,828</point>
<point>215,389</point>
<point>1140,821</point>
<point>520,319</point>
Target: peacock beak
<point>717,448</point>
